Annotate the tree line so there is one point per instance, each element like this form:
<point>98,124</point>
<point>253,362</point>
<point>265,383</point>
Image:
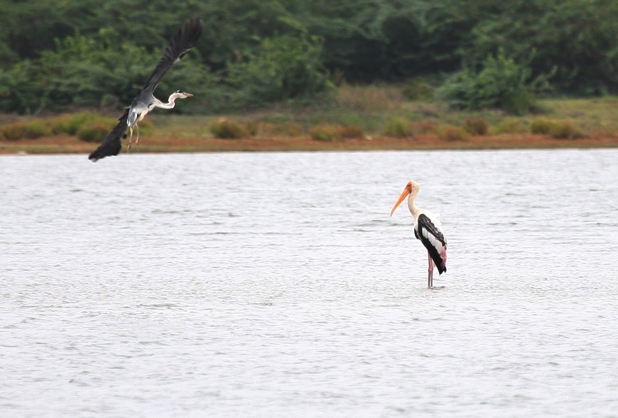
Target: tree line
<point>78,53</point>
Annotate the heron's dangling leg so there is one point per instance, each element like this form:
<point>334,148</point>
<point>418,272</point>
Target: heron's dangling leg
<point>430,271</point>
<point>137,139</point>
<point>130,138</point>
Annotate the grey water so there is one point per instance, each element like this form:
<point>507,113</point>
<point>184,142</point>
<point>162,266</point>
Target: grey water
<point>275,284</point>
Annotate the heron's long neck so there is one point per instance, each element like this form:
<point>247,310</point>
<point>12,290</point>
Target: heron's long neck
<point>170,102</point>
<point>412,206</point>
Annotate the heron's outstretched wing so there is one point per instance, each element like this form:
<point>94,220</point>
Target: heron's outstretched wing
<point>112,144</point>
<point>179,45</point>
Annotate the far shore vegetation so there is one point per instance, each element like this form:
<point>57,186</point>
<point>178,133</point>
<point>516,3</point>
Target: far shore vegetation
<point>291,74</point>
<point>348,118</point>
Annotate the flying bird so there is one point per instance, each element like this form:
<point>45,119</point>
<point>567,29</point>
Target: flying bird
<point>144,102</point>
<point>427,228</point>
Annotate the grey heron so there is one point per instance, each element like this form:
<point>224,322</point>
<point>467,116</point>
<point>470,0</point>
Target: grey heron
<point>144,102</point>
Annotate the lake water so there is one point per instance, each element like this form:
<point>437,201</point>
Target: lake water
<point>275,285</point>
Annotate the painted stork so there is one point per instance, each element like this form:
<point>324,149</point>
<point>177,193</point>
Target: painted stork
<point>427,228</point>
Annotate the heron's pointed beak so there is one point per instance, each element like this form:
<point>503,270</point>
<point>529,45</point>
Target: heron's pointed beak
<point>189,94</point>
<point>406,192</point>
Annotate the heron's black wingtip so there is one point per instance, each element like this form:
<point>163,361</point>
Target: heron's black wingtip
<point>97,155</point>
<point>107,149</point>
<point>196,22</point>
<point>192,30</point>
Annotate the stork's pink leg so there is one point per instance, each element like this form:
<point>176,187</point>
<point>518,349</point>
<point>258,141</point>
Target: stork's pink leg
<point>430,271</point>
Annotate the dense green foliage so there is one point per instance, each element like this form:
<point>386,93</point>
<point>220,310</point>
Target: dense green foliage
<point>76,53</point>
<point>501,83</point>
<point>285,67</point>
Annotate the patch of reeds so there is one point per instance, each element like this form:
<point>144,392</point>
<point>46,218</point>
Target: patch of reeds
<point>426,127</point>
<point>453,133</point>
<point>289,129</point>
<point>558,129</point>
<point>398,127</point>
<point>510,126</point>
<point>417,89</point>
<point>20,130</point>
<point>476,126</point>
<point>325,132</point>
<point>93,132</point>
<point>351,131</point>
<point>369,98</point>
<point>85,122</point>
<point>227,129</point>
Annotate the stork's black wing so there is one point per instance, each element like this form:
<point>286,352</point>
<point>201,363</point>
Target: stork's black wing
<point>433,239</point>
<point>179,45</point>
<point>112,143</point>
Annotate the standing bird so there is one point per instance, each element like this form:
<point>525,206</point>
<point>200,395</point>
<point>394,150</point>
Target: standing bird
<point>145,101</point>
<point>427,228</point>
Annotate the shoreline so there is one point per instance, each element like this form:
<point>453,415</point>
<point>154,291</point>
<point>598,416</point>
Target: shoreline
<point>188,144</point>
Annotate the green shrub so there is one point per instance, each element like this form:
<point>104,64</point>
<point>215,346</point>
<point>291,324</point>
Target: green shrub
<point>500,84</point>
<point>14,131</point>
<point>283,68</point>
<point>251,127</point>
<point>93,132</point>
<point>426,127</point>
<point>453,133</point>
<point>35,129</point>
<point>290,129</point>
<point>510,126</point>
<point>20,130</point>
<point>351,131</point>
<point>58,124</point>
<point>565,129</point>
<point>325,132</point>
<point>398,127</point>
<point>476,126</point>
<point>417,89</point>
<point>227,129</point>
<point>541,126</point>
<point>77,120</point>
<point>559,129</point>
<point>265,129</point>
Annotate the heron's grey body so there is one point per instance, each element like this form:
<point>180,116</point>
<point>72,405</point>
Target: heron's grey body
<point>145,101</point>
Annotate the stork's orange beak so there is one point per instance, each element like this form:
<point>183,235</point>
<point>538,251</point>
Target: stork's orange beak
<point>406,191</point>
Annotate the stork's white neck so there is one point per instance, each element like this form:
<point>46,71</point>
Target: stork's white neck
<point>415,210</point>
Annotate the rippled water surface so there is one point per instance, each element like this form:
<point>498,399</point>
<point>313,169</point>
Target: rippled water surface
<point>272,285</point>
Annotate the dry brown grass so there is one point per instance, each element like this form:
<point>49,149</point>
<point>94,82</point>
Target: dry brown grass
<point>370,98</point>
<point>166,143</point>
<point>289,129</point>
<point>453,133</point>
<point>476,126</point>
<point>426,127</point>
<point>351,132</point>
<point>325,132</point>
